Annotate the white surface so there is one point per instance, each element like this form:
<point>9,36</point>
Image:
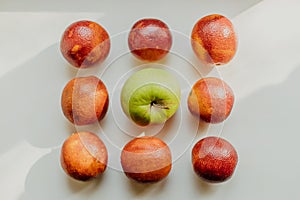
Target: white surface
<point>24,35</point>
<point>263,125</point>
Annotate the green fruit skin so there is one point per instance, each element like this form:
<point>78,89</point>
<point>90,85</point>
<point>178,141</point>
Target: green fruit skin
<point>150,96</point>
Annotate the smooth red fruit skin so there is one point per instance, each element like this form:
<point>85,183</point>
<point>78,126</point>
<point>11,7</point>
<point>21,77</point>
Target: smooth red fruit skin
<point>84,156</point>
<point>85,43</point>
<point>211,99</point>
<point>214,159</point>
<point>84,100</point>
<point>150,39</point>
<point>214,40</point>
<point>146,159</point>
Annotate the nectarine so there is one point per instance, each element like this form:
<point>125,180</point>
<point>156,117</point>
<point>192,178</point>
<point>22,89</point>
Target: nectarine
<point>85,43</point>
<point>84,100</point>
<point>150,39</point>
<point>214,40</point>
<point>146,159</point>
<point>214,159</point>
<point>84,156</point>
<point>211,99</point>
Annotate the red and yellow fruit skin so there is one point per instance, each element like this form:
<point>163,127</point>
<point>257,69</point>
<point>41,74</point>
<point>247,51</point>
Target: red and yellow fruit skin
<point>146,159</point>
<point>84,100</point>
<point>214,159</point>
<point>211,99</point>
<point>214,40</point>
<point>84,156</point>
<point>85,43</point>
<point>150,39</point>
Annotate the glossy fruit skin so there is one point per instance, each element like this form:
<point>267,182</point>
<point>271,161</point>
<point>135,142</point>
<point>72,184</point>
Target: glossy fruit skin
<point>85,43</point>
<point>214,159</point>
<point>84,100</point>
<point>150,39</point>
<point>146,159</point>
<point>211,99</point>
<point>84,156</point>
<point>150,96</point>
<point>214,40</point>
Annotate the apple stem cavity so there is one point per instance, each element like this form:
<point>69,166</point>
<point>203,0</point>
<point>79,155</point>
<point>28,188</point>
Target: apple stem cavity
<point>155,104</point>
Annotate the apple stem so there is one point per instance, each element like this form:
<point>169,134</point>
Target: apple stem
<point>159,105</point>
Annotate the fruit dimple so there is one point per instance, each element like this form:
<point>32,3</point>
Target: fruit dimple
<point>156,104</point>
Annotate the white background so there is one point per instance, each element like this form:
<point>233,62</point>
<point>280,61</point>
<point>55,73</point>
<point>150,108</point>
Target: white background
<point>263,125</point>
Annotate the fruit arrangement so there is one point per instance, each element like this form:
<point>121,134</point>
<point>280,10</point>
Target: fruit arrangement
<point>149,96</point>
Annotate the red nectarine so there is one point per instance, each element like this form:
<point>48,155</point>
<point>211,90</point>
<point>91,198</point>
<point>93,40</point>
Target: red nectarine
<point>214,40</point>
<point>150,39</point>
<point>84,156</point>
<point>84,100</point>
<point>214,159</point>
<point>146,159</point>
<point>211,99</point>
<point>85,43</point>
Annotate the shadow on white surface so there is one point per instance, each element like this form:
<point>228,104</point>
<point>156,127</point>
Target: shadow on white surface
<point>30,102</point>
<point>139,190</point>
<point>44,182</point>
<point>31,112</point>
<point>263,127</point>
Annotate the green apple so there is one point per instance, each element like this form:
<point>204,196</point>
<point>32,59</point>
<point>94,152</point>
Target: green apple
<point>150,96</point>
